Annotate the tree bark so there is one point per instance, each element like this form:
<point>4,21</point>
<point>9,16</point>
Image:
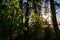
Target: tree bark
<point>26,22</point>
<point>1,1</point>
<point>54,20</point>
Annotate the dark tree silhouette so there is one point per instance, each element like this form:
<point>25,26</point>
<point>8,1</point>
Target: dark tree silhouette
<point>26,21</point>
<point>1,1</point>
<point>54,20</point>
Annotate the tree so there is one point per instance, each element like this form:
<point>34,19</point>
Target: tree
<point>0,1</point>
<point>54,20</point>
<point>26,21</point>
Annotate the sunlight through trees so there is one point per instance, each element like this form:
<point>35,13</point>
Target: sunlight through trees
<point>28,20</point>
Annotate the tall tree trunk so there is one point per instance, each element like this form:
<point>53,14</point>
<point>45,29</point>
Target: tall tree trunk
<point>27,15</point>
<point>54,20</point>
<point>21,17</point>
<point>1,1</point>
<point>26,33</point>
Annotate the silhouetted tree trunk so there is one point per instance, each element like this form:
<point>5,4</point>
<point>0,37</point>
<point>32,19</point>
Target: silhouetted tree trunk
<point>27,15</point>
<point>0,21</point>
<point>26,21</point>
<point>54,20</point>
<point>21,17</point>
<point>1,1</point>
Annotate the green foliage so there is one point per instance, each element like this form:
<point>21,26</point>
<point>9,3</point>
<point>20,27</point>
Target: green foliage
<point>38,3</point>
<point>15,3</point>
<point>30,3</point>
<point>37,18</point>
<point>11,21</point>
